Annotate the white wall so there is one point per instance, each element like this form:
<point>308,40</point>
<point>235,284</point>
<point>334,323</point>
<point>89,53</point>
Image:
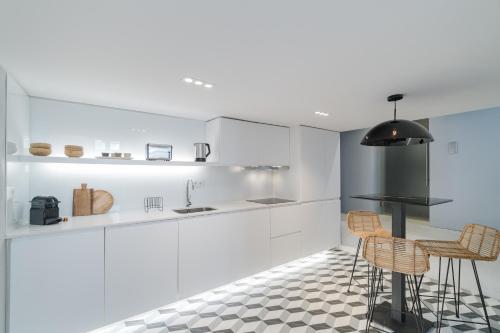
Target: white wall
<point>470,177</point>
<point>3,270</point>
<point>18,132</point>
<point>98,128</point>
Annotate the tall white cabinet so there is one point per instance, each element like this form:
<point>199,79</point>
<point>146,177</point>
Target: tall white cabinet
<point>320,226</point>
<point>315,171</point>
<point>141,268</point>
<point>56,282</point>
<point>318,164</point>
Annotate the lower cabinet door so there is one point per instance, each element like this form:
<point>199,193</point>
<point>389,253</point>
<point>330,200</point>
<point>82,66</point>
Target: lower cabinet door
<point>141,268</point>
<point>330,220</point>
<point>285,248</point>
<point>56,282</point>
<point>320,226</point>
<point>218,249</point>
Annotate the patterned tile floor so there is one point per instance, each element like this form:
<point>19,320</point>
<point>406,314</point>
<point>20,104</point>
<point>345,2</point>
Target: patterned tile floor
<point>307,295</point>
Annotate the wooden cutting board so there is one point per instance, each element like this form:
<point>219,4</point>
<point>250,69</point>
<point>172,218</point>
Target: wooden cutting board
<point>82,201</point>
<point>102,201</point>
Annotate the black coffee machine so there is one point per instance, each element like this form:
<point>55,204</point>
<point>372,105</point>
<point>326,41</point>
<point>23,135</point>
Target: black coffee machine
<point>44,211</point>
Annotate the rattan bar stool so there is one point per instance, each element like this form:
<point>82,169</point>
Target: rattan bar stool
<point>395,255</point>
<point>364,224</point>
<point>476,242</point>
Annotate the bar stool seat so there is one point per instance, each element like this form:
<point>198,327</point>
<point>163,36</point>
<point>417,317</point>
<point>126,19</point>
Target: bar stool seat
<point>450,249</point>
<point>366,234</point>
<point>363,224</point>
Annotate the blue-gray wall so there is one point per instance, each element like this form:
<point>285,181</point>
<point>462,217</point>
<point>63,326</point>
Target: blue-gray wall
<point>472,176</point>
<point>361,170</point>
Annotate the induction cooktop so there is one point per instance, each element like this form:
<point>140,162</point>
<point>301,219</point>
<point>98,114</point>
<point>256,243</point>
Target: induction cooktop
<point>271,201</point>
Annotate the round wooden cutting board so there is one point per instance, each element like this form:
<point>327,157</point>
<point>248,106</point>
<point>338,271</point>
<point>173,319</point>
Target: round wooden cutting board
<point>102,201</point>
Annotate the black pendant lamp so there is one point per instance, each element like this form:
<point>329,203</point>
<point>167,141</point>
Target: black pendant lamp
<point>397,132</point>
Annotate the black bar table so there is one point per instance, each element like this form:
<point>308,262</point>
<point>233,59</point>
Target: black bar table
<point>393,315</point>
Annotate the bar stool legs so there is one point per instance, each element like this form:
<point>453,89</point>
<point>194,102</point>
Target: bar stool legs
<point>481,294</point>
<point>457,293</point>
<point>374,286</point>
<point>413,286</point>
<point>440,313</point>
<point>354,266</point>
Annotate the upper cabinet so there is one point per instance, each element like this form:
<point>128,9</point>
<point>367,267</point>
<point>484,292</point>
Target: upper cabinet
<point>319,164</point>
<point>248,143</point>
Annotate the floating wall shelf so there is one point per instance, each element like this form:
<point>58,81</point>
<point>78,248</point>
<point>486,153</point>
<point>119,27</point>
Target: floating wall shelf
<point>62,159</point>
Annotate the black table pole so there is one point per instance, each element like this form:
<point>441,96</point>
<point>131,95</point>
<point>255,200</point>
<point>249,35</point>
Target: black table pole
<point>398,279</point>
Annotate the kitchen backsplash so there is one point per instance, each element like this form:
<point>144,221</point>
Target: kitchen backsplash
<point>107,129</point>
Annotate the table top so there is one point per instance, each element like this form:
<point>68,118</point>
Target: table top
<point>419,201</point>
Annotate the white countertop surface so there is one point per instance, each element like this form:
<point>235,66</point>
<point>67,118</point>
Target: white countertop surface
<point>132,217</point>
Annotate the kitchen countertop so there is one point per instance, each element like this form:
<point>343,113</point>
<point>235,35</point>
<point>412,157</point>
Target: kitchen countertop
<point>133,217</point>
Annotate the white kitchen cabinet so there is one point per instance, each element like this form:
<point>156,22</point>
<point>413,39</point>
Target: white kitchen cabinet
<point>320,226</point>
<point>330,219</point>
<point>218,249</point>
<point>285,248</point>
<point>319,164</point>
<point>56,282</point>
<point>285,220</point>
<point>248,143</point>
<point>141,268</point>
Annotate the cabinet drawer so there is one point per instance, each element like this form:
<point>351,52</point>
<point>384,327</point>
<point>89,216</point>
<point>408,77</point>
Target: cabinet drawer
<point>285,220</point>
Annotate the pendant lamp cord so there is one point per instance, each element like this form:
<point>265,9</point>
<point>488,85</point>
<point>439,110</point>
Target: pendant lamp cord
<point>394,110</point>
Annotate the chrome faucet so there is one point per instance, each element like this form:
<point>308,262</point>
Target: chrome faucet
<point>188,192</point>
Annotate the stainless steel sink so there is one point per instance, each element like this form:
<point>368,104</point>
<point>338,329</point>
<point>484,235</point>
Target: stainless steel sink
<point>193,210</point>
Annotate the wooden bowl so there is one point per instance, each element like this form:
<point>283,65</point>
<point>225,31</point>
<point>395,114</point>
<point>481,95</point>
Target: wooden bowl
<point>73,147</point>
<point>73,153</point>
<point>40,151</point>
<point>40,145</point>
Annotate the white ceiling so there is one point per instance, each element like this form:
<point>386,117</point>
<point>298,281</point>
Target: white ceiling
<point>273,61</point>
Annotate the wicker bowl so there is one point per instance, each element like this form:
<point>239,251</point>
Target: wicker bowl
<point>40,151</point>
<point>73,151</point>
<point>41,145</point>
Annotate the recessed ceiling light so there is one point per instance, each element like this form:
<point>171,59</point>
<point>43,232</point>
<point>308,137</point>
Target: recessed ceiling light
<point>198,82</point>
<point>322,114</point>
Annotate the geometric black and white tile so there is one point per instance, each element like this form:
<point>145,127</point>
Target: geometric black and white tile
<point>307,295</point>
